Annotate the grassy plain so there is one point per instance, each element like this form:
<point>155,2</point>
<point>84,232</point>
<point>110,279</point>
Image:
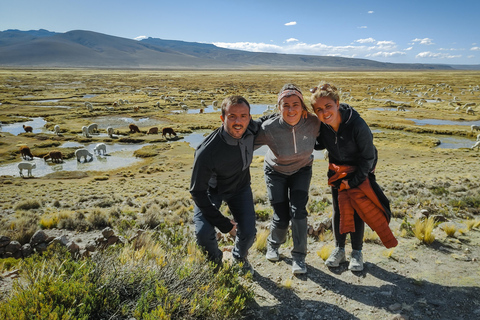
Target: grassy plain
<point>415,173</point>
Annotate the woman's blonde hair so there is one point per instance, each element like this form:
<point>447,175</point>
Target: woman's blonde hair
<point>324,90</point>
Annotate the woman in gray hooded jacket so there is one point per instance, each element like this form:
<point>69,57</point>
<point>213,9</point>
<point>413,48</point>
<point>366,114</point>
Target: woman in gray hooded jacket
<point>290,136</point>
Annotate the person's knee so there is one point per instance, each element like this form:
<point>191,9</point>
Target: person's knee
<point>299,199</point>
<point>281,223</point>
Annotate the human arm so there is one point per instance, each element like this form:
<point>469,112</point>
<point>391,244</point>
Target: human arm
<point>203,171</point>
<point>367,153</point>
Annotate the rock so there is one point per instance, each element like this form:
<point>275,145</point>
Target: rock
<point>27,250</point>
<point>4,241</point>
<point>41,247</point>
<point>395,307</point>
<point>112,240</point>
<point>13,247</point>
<point>91,247</point>
<point>107,232</point>
<point>62,240</point>
<point>73,247</point>
<point>39,237</point>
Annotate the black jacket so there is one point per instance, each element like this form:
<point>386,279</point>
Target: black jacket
<point>221,166</point>
<point>352,144</point>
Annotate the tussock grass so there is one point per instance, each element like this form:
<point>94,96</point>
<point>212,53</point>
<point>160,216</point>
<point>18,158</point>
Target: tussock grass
<point>325,252</point>
<point>389,253</point>
<point>370,236</point>
<point>260,243</point>
<point>450,229</point>
<point>288,284</point>
<point>423,230</point>
<point>472,223</point>
<point>28,205</point>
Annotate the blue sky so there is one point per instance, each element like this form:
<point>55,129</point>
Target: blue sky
<point>431,31</point>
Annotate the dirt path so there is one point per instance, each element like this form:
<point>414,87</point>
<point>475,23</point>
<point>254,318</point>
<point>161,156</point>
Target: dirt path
<point>439,281</point>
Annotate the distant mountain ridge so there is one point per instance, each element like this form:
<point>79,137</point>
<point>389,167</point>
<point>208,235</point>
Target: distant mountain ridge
<point>79,48</point>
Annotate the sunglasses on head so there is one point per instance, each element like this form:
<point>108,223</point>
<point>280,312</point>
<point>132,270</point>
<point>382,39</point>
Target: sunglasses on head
<point>323,87</point>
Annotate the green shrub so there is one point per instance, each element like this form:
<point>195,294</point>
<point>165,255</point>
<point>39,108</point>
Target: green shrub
<point>317,206</point>
<point>160,277</point>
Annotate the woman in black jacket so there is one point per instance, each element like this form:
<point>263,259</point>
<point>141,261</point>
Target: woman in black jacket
<point>349,141</point>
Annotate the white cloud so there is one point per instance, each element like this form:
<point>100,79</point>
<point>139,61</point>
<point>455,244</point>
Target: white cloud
<point>140,38</point>
<point>428,54</point>
<point>384,54</point>
<point>425,41</point>
<point>362,27</point>
<point>291,23</point>
<point>409,48</point>
<point>250,46</point>
<point>475,48</point>
<point>291,40</point>
<point>471,56</point>
<point>370,11</point>
<point>367,40</point>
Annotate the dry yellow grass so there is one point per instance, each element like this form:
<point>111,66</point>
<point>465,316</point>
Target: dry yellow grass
<point>450,229</point>
<point>325,252</point>
<point>423,230</point>
<point>260,243</point>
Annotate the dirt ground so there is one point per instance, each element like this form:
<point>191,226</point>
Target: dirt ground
<point>412,281</point>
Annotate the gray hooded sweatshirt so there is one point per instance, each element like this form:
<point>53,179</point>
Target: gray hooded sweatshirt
<point>290,147</point>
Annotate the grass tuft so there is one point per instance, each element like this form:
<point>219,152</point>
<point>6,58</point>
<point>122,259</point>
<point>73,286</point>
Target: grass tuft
<point>260,243</point>
<point>450,229</point>
<point>325,252</point>
<point>423,230</point>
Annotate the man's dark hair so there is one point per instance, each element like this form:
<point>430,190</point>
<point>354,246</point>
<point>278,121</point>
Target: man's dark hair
<point>232,100</point>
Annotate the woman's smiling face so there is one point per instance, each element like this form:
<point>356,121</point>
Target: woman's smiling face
<point>291,109</point>
<point>327,110</point>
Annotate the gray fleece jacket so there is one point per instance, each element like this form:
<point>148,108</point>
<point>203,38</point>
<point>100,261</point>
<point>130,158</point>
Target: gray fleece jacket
<point>290,147</point>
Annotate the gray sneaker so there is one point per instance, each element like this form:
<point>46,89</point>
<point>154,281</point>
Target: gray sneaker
<point>356,261</point>
<point>336,257</point>
<point>245,266</point>
<point>299,267</point>
<point>272,253</point>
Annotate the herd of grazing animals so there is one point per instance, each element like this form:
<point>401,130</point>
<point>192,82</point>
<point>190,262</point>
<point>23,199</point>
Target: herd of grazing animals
<point>92,129</point>
<point>101,149</point>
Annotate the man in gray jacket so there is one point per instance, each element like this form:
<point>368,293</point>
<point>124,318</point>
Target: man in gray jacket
<point>221,172</point>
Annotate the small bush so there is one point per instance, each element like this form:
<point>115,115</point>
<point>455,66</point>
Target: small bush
<point>9,263</point>
<point>439,191</point>
<point>317,206</point>
<point>28,205</point>
<point>157,278</point>
<point>263,214</point>
<point>98,220</point>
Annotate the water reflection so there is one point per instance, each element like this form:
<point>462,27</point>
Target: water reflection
<point>438,122</point>
<point>194,139</point>
<point>446,141</point>
<point>255,109</point>
<point>121,122</point>
<point>88,96</point>
<point>16,128</point>
<point>118,155</point>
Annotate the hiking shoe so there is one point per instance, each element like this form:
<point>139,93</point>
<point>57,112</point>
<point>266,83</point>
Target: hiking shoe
<point>272,253</point>
<point>356,261</point>
<point>336,257</point>
<point>245,266</point>
<point>299,267</point>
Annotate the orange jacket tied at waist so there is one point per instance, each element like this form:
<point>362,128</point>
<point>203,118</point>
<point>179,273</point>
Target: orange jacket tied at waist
<point>364,201</point>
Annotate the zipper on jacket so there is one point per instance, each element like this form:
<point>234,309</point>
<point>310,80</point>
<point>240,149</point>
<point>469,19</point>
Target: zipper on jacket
<point>294,140</point>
